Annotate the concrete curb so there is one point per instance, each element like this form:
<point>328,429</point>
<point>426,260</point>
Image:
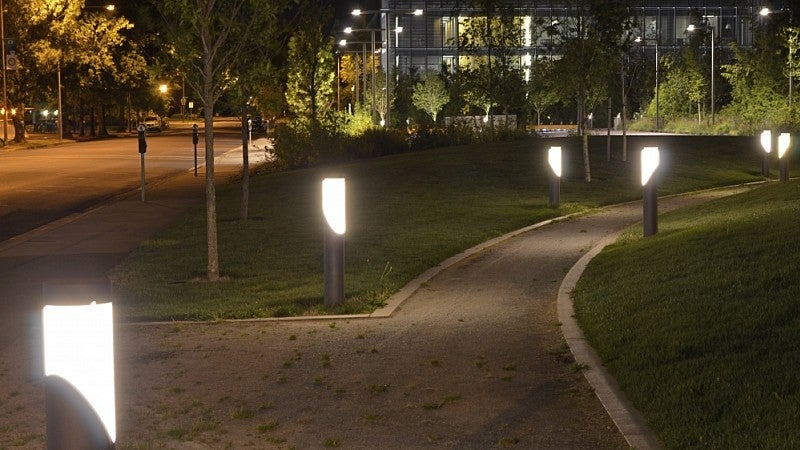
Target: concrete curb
<point>628,420</point>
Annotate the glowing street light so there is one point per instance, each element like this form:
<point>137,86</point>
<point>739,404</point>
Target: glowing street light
<point>79,375</point>
<point>334,211</point>
<point>162,89</point>
<point>554,159</point>
<point>783,146</point>
<point>766,144</point>
<point>650,161</point>
<point>691,28</point>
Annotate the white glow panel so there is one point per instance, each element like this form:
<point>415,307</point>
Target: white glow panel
<point>649,163</point>
<point>333,204</point>
<point>783,144</point>
<point>554,158</point>
<point>766,140</point>
<point>79,347</point>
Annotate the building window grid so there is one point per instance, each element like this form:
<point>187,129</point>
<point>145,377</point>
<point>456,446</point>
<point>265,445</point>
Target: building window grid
<point>429,42</point>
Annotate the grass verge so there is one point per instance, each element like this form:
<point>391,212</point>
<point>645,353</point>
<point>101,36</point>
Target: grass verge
<point>699,324</point>
<point>406,213</point>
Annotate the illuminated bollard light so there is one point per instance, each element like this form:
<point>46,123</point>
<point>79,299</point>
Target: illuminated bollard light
<point>333,208</point>
<point>554,158</point>
<point>79,376</point>
<point>766,144</point>
<point>783,146</point>
<point>650,161</point>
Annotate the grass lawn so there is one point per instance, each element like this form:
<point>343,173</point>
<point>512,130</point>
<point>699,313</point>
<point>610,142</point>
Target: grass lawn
<point>406,213</point>
<point>700,323</point>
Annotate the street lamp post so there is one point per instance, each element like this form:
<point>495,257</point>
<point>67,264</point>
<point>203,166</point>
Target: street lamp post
<point>387,28</point>
<point>372,31</point>
<point>766,12</point>
<point>655,39</point>
<point>692,28</point>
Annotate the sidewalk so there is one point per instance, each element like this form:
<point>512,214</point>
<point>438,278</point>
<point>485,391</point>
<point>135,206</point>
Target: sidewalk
<point>474,358</point>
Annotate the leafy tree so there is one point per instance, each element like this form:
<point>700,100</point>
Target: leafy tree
<point>311,74</point>
<point>88,47</point>
<point>430,95</point>
<point>590,38</point>
<point>684,86</point>
<point>212,39</point>
<point>757,100</point>
<point>490,39</point>
<point>542,89</point>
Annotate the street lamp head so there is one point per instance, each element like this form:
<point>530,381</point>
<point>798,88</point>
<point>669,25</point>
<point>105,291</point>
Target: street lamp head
<point>163,88</point>
<point>110,7</point>
<point>691,28</point>
<point>399,29</point>
<point>343,42</point>
<point>356,12</point>
<point>765,11</point>
<point>348,30</point>
<point>638,39</point>
<point>418,12</point>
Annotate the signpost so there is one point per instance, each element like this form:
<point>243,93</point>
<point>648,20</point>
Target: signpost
<point>195,139</point>
<point>142,151</point>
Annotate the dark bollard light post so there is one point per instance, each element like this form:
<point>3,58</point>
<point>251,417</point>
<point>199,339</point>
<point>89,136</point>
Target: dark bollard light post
<point>650,162</point>
<point>783,145</point>
<point>79,376</point>
<point>766,143</point>
<point>333,208</point>
<point>195,140</point>
<point>142,150</point>
<point>554,158</point>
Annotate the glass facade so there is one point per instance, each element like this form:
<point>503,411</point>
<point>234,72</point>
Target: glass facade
<point>428,41</point>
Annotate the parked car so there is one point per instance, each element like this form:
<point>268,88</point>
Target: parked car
<point>152,123</point>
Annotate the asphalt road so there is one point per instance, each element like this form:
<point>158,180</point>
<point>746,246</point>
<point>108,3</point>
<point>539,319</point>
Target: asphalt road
<point>40,185</point>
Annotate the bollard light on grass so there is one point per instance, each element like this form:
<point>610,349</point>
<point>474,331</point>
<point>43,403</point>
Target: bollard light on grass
<point>783,146</point>
<point>650,161</point>
<point>554,158</point>
<point>766,144</point>
<point>333,208</point>
<point>79,376</point>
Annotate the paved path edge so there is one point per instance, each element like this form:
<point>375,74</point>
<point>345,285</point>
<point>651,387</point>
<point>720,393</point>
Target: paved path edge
<point>627,419</point>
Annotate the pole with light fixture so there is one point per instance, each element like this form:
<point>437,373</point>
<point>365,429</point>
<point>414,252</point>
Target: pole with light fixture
<point>387,28</point>
<point>783,146</point>
<point>334,211</point>
<point>766,144</point>
<point>692,28</point>
<point>554,159</point>
<point>766,12</point>
<point>650,161</point>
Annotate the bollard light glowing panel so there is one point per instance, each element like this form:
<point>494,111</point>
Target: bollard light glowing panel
<point>649,163</point>
<point>766,140</point>
<point>79,347</point>
<point>333,204</point>
<point>783,144</point>
<point>554,158</point>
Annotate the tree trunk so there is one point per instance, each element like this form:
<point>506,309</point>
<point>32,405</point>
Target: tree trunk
<point>19,128</point>
<point>211,194</point>
<point>624,121</point>
<point>245,163</point>
<point>608,132</point>
<point>587,171</point>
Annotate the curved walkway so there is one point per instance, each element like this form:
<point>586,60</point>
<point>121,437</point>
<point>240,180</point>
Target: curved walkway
<point>471,356</point>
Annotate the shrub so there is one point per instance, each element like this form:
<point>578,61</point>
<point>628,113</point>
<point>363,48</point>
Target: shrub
<point>378,142</point>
